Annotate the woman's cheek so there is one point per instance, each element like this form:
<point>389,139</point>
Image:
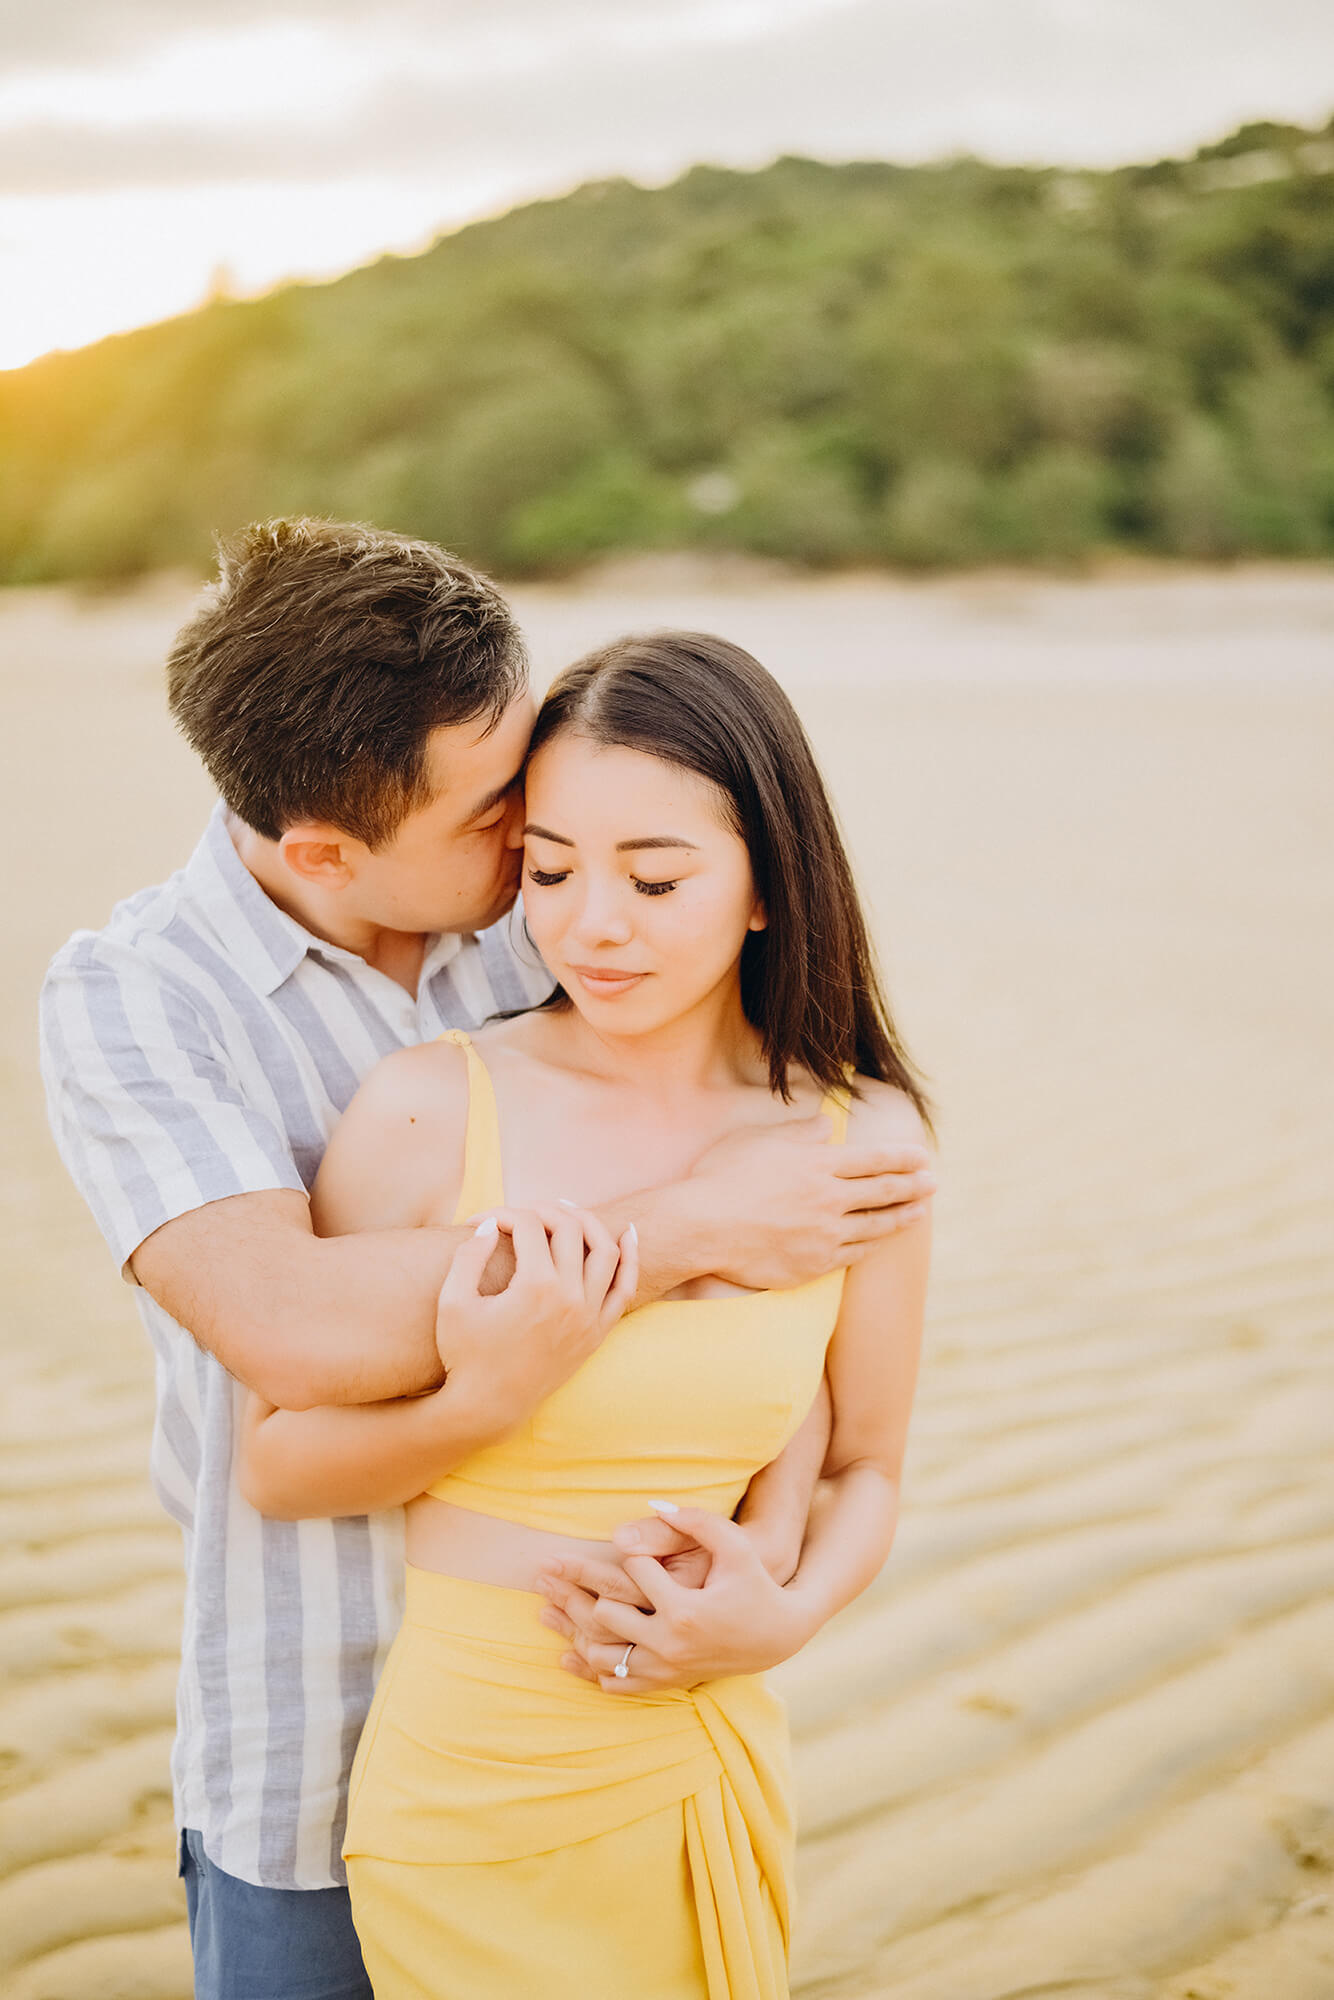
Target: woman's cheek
<point>705,938</point>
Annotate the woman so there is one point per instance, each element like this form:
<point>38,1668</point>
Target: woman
<point>514,1829</point>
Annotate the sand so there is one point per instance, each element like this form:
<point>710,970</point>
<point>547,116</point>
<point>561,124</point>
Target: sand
<point>1079,1738</point>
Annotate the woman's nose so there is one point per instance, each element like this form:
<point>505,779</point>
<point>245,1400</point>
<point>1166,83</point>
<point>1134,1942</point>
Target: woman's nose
<point>602,919</point>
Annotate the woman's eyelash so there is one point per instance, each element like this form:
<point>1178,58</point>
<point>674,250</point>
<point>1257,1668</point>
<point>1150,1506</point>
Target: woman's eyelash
<point>549,881</point>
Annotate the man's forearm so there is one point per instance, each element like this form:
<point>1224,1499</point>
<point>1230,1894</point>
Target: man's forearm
<point>300,1319</point>
<point>364,1329</point>
<point>679,1237</point>
<point>307,1321</point>
<point>381,1289</point>
<point>354,1320</point>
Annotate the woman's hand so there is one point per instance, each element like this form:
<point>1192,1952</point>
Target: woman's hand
<point>591,1577</point>
<point>572,1281</point>
<point>737,1621</point>
<point>686,1560</point>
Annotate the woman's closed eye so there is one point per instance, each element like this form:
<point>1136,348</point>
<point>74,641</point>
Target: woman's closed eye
<point>548,879</point>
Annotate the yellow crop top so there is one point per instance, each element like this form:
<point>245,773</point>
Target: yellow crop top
<point>684,1400</point>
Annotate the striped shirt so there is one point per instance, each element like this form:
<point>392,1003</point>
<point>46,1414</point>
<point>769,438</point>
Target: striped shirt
<point>203,1045</point>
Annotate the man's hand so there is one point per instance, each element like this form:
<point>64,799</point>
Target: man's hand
<point>737,1620</point>
<point>572,1280</point>
<point>788,1207</point>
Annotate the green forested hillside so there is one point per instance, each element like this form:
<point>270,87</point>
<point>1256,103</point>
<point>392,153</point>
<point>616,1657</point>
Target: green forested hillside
<point>940,364</point>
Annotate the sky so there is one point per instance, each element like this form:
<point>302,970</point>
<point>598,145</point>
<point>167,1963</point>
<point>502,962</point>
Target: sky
<point>154,150</point>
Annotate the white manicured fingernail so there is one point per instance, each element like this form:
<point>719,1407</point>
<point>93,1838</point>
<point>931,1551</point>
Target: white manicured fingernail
<point>632,1233</point>
<point>564,1202</point>
<point>664,1506</point>
<point>488,1228</point>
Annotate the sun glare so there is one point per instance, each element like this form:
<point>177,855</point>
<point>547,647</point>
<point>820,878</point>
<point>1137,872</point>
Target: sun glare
<point>74,268</point>
<point>78,265</point>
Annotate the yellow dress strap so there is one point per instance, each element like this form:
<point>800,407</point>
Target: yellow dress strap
<point>836,1105</point>
<point>483,1179</point>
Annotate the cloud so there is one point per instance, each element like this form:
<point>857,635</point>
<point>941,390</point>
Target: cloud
<point>112,32</point>
<point>540,94</point>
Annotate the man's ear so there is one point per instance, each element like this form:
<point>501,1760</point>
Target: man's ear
<point>319,854</point>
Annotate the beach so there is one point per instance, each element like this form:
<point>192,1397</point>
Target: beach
<point>1078,1739</point>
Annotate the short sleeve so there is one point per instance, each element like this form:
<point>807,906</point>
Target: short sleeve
<point>145,1108</point>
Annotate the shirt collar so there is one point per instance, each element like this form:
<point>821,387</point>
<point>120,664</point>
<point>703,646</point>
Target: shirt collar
<point>262,941</point>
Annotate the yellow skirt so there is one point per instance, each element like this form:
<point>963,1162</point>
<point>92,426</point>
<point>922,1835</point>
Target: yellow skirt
<point>516,1832</point>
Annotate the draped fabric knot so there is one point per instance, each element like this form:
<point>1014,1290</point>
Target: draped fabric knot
<point>481,1748</point>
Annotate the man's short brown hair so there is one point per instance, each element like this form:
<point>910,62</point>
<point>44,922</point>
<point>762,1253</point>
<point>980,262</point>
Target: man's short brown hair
<point>325,655</point>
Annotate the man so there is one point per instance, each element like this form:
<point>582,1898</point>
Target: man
<point>361,702</point>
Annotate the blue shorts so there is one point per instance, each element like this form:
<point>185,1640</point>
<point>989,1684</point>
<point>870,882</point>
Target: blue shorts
<point>268,1944</point>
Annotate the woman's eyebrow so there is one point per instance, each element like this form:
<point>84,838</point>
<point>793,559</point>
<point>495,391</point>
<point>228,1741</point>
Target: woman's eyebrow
<point>545,833</point>
<point>622,846</point>
<point>656,840</point>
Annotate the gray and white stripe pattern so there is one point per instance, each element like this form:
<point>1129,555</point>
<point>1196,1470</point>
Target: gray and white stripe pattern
<point>202,1045</point>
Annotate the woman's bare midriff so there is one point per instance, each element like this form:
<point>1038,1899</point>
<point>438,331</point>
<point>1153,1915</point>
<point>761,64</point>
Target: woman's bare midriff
<point>480,1548</point>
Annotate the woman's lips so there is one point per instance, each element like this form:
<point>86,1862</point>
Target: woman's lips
<point>604,982</point>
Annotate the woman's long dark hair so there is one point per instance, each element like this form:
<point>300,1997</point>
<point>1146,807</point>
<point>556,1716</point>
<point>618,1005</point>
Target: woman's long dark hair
<point>809,983</point>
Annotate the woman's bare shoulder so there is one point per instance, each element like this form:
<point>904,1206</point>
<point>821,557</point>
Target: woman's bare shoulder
<point>397,1150</point>
<point>883,1115</point>
<point>425,1080</point>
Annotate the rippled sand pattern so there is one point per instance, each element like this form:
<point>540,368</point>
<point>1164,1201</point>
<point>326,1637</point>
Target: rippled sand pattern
<point>1079,1739</point>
